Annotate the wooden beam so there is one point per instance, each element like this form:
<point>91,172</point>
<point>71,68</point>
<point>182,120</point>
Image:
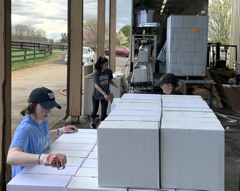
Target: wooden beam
<point>101,28</point>
<point>5,90</point>
<point>112,34</point>
<point>75,32</point>
<point>2,79</point>
<point>235,33</point>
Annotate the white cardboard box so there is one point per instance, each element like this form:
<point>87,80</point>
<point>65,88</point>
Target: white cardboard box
<point>72,146</point>
<point>175,22</point>
<point>188,114</point>
<point>41,169</point>
<point>90,163</point>
<point>88,183</point>
<point>181,97</point>
<point>87,172</point>
<point>80,135</point>
<point>132,118</point>
<point>157,102</point>
<point>145,16</point>
<point>72,153</point>
<point>139,106</point>
<point>184,109</point>
<point>189,21</point>
<point>133,112</point>
<point>128,154</point>
<point>202,22</point>
<point>186,34</point>
<point>176,104</point>
<point>192,155</point>
<point>140,73</point>
<point>74,161</point>
<point>193,119</point>
<point>38,182</point>
<point>76,140</point>
<point>114,103</point>
<point>93,155</point>
<point>164,189</point>
<point>135,96</point>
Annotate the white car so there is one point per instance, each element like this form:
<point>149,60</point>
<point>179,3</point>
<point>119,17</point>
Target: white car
<point>87,52</point>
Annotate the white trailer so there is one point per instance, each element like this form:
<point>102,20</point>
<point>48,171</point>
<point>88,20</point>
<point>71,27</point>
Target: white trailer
<point>168,36</point>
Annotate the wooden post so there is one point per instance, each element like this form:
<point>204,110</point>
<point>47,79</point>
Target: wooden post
<point>235,31</point>
<point>5,90</point>
<point>25,55</point>
<point>75,32</point>
<point>112,34</point>
<point>101,28</point>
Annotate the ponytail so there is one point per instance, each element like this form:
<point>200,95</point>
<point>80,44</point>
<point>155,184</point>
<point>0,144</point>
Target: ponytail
<point>29,109</point>
<point>181,87</point>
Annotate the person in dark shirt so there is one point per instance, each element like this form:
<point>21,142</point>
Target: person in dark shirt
<point>102,78</point>
<point>170,84</point>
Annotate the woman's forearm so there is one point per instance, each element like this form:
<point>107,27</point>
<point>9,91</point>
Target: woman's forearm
<point>100,89</point>
<point>19,158</point>
<point>114,84</point>
<point>54,133</point>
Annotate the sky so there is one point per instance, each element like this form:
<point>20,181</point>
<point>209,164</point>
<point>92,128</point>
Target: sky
<point>51,15</point>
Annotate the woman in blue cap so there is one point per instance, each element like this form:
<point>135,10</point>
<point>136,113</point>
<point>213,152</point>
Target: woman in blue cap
<point>33,135</point>
<point>171,85</point>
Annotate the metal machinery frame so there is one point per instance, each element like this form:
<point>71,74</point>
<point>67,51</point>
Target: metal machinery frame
<point>145,39</point>
<point>219,62</point>
<point>142,39</point>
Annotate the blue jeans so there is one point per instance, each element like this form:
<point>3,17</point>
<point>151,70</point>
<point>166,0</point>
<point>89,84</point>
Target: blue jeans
<point>104,105</point>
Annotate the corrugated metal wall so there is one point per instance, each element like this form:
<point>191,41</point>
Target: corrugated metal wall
<point>235,31</point>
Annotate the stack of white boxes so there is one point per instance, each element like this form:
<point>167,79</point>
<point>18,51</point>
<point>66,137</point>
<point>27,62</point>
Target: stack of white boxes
<point>191,144</point>
<point>145,16</point>
<point>128,141</point>
<point>80,173</point>
<point>187,45</point>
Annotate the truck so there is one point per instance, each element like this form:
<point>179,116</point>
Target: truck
<point>168,36</point>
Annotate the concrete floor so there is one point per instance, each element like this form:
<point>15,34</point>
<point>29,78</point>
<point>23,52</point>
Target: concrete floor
<point>53,75</point>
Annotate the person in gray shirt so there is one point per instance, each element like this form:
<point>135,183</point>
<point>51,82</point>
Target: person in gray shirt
<point>102,78</point>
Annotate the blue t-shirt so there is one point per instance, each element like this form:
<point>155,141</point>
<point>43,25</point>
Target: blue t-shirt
<point>103,80</point>
<point>31,137</point>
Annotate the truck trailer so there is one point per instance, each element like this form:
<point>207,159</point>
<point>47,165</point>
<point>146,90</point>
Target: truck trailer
<point>168,36</point>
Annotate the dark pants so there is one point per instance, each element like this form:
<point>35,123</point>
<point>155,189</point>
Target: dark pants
<point>104,105</point>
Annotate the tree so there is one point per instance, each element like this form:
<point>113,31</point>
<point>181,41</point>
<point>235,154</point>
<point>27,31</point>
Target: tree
<point>121,38</point>
<point>90,32</point>
<point>90,38</point>
<point>126,31</point>
<point>64,38</point>
<point>219,21</point>
<point>28,33</point>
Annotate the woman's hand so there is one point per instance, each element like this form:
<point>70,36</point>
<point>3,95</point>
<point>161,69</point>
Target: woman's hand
<point>67,129</point>
<point>106,97</point>
<point>70,129</point>
<point>57,160</point>
<point>120,88</point>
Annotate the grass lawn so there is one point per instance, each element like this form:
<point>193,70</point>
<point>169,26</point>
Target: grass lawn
<point>30,63</point>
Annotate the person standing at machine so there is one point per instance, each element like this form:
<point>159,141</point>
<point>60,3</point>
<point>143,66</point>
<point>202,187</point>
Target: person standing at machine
<point>102,78</point>
<point>171,85</point>
<point>33,135</point>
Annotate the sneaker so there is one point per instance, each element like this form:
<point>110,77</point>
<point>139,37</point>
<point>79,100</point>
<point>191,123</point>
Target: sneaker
<point>92,126</point>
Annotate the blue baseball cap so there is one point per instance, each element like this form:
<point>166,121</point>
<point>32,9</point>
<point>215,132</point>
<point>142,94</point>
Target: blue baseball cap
<point>167,78</point>
<point>44,97</point>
